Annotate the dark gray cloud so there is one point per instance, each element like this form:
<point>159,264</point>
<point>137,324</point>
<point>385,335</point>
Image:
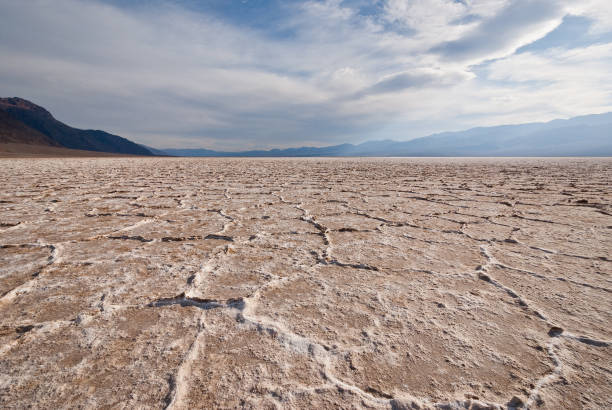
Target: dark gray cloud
<point>417,78</point>
<point>400,82</point>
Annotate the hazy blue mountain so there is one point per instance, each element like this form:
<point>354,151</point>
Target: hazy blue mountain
<point>335,150</point>
<point>589,135</point>
<point>155,151</point>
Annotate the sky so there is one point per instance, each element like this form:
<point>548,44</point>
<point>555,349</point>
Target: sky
<point>257,74</point>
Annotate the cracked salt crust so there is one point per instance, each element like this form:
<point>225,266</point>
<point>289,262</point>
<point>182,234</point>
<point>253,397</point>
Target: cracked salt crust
<point>294,283</point>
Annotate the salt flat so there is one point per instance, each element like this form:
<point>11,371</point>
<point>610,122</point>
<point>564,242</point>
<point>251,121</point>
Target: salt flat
<point>293,283</point>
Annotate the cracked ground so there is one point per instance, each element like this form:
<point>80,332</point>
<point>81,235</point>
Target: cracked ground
<point>306,283</point>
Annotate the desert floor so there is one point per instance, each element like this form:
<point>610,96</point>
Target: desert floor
<point>294,283</point>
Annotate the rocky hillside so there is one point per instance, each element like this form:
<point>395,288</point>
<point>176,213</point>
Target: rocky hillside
<point>24,122</point>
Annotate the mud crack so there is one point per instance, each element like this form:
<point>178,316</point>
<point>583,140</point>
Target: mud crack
<point>200,303</point>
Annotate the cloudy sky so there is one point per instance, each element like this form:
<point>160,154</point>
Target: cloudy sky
<point>240,74</point>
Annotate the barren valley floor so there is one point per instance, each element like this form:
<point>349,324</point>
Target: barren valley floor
<point>306,283</point>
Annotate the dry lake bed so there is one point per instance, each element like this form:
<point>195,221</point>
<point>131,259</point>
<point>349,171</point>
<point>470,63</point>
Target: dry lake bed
<point>306,283</point>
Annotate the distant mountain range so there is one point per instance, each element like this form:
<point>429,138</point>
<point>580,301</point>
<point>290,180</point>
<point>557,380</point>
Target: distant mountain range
<point>589,135</point>
<point>25,123</point>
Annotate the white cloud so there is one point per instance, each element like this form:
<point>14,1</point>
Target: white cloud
<point>600,11</point>
<point>518,23</point>
<point>166,76</point>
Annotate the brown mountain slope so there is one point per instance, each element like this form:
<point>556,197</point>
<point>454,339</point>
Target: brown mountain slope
<point>38,118</point>
<point>14,131</point>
